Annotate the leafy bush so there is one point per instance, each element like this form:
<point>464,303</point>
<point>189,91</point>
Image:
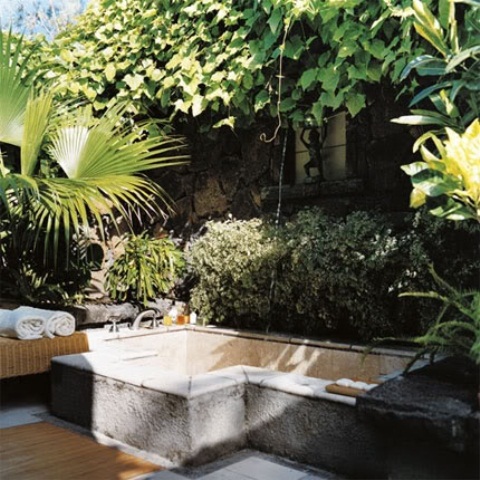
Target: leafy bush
<point>318,274</point>
<point>32,274</point>
<point>233,265</point>
<point>348,271</point>
<point>147,268</point>
<point>456,330</point>
<point>449,78</point>
<point>448,178</point>
<point>450,182</point>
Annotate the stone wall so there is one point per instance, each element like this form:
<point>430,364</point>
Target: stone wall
<point>224,177</point>
<point>236,173</point>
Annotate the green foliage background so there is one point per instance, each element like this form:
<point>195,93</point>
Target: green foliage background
<point>320,274</point>
<point>147,269</point>
<point>220,60</point>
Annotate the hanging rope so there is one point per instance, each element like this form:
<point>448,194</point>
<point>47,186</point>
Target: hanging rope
<point>273,277</point>
<point>263,136</point>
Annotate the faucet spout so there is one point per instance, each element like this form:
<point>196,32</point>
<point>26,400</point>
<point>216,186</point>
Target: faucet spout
<point>146,313</point>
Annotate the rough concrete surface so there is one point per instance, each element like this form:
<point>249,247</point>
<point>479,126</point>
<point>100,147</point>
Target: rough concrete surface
<point>434,413</point>
<point>414,426</point>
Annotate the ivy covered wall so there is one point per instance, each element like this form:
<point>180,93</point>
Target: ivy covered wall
<point>233,62</point>
<point>224,72</point>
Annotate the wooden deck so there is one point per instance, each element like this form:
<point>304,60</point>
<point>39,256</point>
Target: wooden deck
<point>42,451</point>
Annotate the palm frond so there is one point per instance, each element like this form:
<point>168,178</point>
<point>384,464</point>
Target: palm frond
<point>14,93</point>
<point>65,206</point>
<point>36,123</point>
<point>90,148</point>
<point>14,188</point>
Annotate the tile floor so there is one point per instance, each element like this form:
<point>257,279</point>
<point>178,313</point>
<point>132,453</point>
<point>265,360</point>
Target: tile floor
<point>247,465</point>
<point>22,401</point>
<point>23,407</point>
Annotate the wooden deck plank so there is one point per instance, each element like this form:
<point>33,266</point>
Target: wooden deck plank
<point>42,451</point>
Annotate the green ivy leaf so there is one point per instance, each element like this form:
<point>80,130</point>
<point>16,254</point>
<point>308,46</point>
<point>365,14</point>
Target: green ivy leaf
<point>197,105</point>
<point>329,77</point>
<point>354,103</point>
<point>347,49</point>
<point>110,72</point>
<point>247,81</point>
<point>357,73</point>
<point>294,47</point>
<point>318,112</point>
<point>261,99</point>
<point>308,78</point>
<point>377,48</point>
<point>328,99</point>
<point>287,104</point>
<point>374,71</point>
<point>275,20</point>
<point>133,81</point>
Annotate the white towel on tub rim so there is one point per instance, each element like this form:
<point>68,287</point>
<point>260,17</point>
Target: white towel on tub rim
<point>58,322</point>
<point>25,327</point>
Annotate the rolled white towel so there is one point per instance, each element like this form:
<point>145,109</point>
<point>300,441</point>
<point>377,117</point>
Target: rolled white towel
<point>4,314</point>
<point>25,327</point>
<point>58,322</point>
<point>359,385</point>
<point>344,382</point>
<point>61,324</point>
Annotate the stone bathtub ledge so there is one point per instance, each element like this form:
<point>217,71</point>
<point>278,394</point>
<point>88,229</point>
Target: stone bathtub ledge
<point>154,393</point>
<point>143,371</point>
<point>183,392</point>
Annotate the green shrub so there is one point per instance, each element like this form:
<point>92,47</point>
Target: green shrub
<point>233,266</point>
<point>345,272</point>
<point>456,330</point>
<point>147,269</point>
<point>32,274</point>
<point>320,275</point>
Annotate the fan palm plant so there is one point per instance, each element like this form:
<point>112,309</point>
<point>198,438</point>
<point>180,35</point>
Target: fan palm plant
<point>73,168</point>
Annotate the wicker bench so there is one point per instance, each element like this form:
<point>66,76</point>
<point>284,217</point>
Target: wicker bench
<point>27,357</point>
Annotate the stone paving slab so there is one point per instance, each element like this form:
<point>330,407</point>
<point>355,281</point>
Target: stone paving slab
<point>13,416</point>
<point>247,465</point>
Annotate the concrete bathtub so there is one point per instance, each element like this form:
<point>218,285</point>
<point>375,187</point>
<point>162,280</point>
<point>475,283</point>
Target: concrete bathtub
<point>190,394</point>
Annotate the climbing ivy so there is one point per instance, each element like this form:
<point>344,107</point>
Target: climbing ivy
<point>219,61</point>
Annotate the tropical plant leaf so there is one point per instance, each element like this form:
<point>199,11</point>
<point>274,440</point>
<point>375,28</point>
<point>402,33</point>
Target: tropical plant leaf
<point>418,120</point>
<point>428,27</point>
<point>426,92</point>
<point>14,93</point>
<point>461,57</point>
<point>36,123</point>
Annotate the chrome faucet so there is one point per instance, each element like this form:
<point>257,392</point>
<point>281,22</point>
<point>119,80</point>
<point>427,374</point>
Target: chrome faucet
<point>114,327</point>
<point>151,312</point>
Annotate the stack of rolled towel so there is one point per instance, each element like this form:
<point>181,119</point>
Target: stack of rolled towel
<point>28,323</point>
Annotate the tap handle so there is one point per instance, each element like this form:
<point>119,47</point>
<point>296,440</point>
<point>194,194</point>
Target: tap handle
<point>114,319</point>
